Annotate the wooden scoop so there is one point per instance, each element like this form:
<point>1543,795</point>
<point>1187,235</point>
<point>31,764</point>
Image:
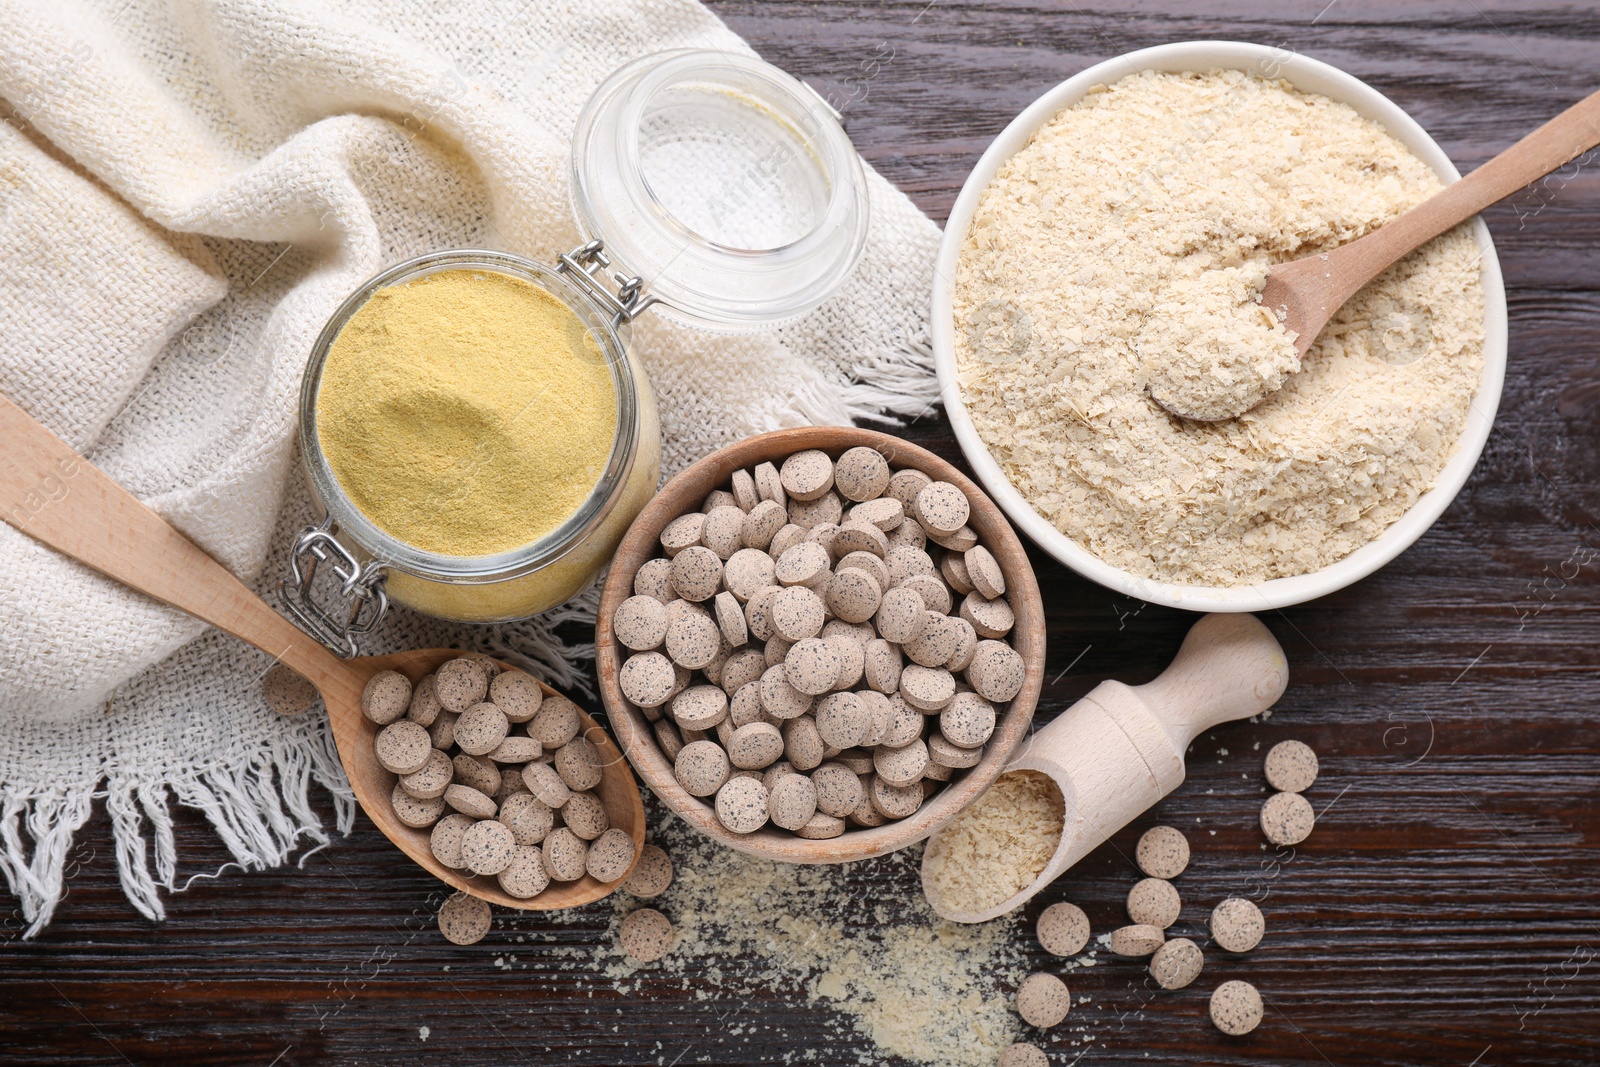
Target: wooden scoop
<point>54,495</point>
<point>1306,293</point>
<point>1120,749</point>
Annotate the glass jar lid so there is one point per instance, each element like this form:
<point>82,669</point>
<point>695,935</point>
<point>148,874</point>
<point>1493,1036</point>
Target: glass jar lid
<point>725,185</point>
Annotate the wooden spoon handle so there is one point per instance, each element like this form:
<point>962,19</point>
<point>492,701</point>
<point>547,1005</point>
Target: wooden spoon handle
<point>1559,141</point>
<point>54,495</point>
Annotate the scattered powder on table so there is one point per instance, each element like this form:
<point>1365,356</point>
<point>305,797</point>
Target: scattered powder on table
<point>1132,199</point>
<point>466,412</point>
<point>854,938</point>
<point>998,846</point>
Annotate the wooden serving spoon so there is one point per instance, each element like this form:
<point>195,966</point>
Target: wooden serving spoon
<point>54,495</point>
<point>1306,293</point>
<point>1120,749</point>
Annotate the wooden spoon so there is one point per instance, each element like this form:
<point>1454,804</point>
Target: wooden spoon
<point>1120,749</point>
<point>56,496</point>
<point>1306,293</point>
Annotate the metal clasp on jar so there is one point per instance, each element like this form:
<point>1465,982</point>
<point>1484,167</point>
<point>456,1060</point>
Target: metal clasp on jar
<point>583,264</point>
<point>361,586</point>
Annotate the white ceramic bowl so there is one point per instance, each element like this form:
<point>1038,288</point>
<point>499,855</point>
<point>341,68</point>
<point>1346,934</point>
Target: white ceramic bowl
<point>1303,73</point>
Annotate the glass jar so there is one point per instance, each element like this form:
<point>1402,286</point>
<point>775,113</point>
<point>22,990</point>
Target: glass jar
<point>727,196</point>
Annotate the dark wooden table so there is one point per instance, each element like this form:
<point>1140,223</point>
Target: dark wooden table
<point>1447,909</point>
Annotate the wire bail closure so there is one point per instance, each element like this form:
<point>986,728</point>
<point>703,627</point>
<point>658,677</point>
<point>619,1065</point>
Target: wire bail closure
<point>583,265</point>
<point>362,585</point>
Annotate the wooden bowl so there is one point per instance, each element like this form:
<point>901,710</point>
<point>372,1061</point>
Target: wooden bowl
<point>684,494</point>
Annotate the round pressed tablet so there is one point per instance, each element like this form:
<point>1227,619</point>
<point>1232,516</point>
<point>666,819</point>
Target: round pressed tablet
<point>640,623</point>
<point>861,473</point>
<point>812,666</point>
<point>717,498</point>
<point>460,683</point>
<point>1063,929</point>
<point>859,537</point>
<point>524,876</point>
<point>901,616</point>
<point>415,812</point>
<point>1237,925</point>
<point>1291,766</point>
<point>941,508</point>
<point>935,773</point>
<point>481,728</point>
<point>904,560</point>
<point>442,733</point>
<point>517,695</point>
<point>853,594</point>
<point>696,573</point>
<point>883,665</point>
<point>742,804</point>
<point>927,689</point>
<point>954,570</point>
<point>838,789</point>
<point>792,801</point>
<point>1021,1054</point>
<point>741,668</point>
<point>770,776</point>
<point>402,747</point>
<point>646,679</point>
<point>645,935</point>
<point>745,706</point>
<point>1236,1008</point>
<point>865,563</point>
<point>966,646</point>
<point>668,737</point>
<point>445,840</point>
<point>651,875</point>
<point>791,534</point>
<point>701,768</point>
<point>700,707</point>
<point>1162,852</point>
<point>511,785</point>
<point>470,801</point>
<point>578,763</point>
<point>991,618</point>
<point>584,815</point>
<point>945,754</point>
<point>780,699</point>
<point>729,614</point>
<point>960,541</point>
<point>885,513</point>
<point>556,722</point>
<point>1154,902</point>
<point>905,724</point>
<point>486,847</point>
<point>758,612</point>
<point>821,827</point>
<point>743,487</point>
<point>386,697</point>
<point>755,746</point>
<point>843,720</point>
<point>527,817</point>
<point>904,485</point>
<point>565,855</point>
<point>761,524</point>
<point>682,532</point>
<point>1287,818</point>
<point>824,511</point>
<point>983,572</point>
<point>289,693</point>
<point>480,774</point>
<point>901,766</point>
<point>797,613</point>
<point>908,536</point>
<point>654,579</point>
<point>935,594</point>
<point>934,646</point>
<point>1138,939</point>
<point>895,801</point>
<point>693,641</point>
<point>1176,963</point>
<point>866,815</point>
<point>968,720</point>
<point>425,708</point>
<point>852,658</point>
<point>997,671</point>
<point>806,475</point>
<point>769,484</point>
<point>802,745</point>
<point>432,779</point>
<point>1043,1000</point>
<point>724,530</point>
<point>463,919</point>
<point>544,783</point>
<point>610,856</point>
<point>805,564</point>
<point>516,749</point>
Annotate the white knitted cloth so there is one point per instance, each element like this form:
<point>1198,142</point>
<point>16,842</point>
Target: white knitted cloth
<point>187,191</point>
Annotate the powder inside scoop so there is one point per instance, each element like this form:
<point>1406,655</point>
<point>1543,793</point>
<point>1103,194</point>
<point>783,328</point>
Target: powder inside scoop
<point>998,846</point>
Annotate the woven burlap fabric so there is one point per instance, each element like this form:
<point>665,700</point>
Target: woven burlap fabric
<point>187,190</point>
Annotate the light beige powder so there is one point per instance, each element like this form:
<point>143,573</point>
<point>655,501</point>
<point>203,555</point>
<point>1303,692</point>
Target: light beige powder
<point>998,846</point>
<point>1112,209</point>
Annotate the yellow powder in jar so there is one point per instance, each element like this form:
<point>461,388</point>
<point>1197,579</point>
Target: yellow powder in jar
<point>466,412</point>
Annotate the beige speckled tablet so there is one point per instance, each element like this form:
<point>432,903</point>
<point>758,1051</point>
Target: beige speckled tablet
<point>516,749</point>
<point>1043,1000</point>
<point>908,536</point>
<point>463,919</point>
<point>640,623</point>
<point>584,815</point>
<point>415,812</point>
<point>289,693</point>
<point>1237,925</point>
<point>578,763</point>
<point>826,510</point>
<point>1287,818</point>
<point>511,785</point>
<point>517,695</point>
<point>866,815</point>
<point>525,876</point>
<point>895,801</point>
<point>966,646</point>
<point>654,579</point>
<point>668,737</point>
<point>853,594</point>
<point>856,536</point>
<point>928,689</point>
<point>1291,766</point>
<point>883,665</point>
<point>983,572</point>
<point>901,766</point>
<point>991,618</point>
<point>1154,902</point>
<point>954,570</point>
<point>838,789</point>
<point>821,827</point>
<point>696,573</point>
<point>997,671</point>
<point>528,818</point>
<point>693,640</point>
<point>724,531</point>
<point>806,475</point>
<point>645,935</point>
<point>741,804</point>
<point>1236,1008</point>
<point>701,768</point>
<point>904,560</point>
<point>945,754</point>
<point>402,747</point>
<point>425,708</point>
<point>486,847</point>
<point>729,614</point>
<point>651,875</point>
<point>934,646</point>
<point>1063,929</point>
<point>960,541</point>
<point>780,699</point>
<point>843,720</point>
<point>797,613</point>
<point>742,668</point>
<point>935,594</point>
<point>770,776</point>
<point>565,855</point>
<point>682,532</point>
<point>761,525</point>
<point>791,534</point>
<point>901,616</point>
<point>445,840</point>
<point>700,707</point>
<point>1021,1054</point>
<point>555,723</point>
<point>1139,939</point>
<point>470,801</point>
<point>802,745</point>
<point>805,564</point>
<point>544,782</point>
<point>885,513</point>
<point>480,774</point>
<point>941,508</point>
<point>967,721</point>
<point>906,724</point>
<point>1162,852</point>
<point>481,728</point>
<point>717,498</point>
<point>442,733</point>
<point>852,655</point>
<point>610,856</point>
<point>743,487</point>
<point>646,679</point>
<point>792,801</point>
<point>861,473</point>
<point>431,780</point>
<point>758,612</point>
<point>904,485</point>
<point>769,484</point>
<point>1176,963</point>
<point>460,683</point>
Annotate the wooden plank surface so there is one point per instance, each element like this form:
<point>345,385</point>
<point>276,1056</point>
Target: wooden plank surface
<point>1447,909</point>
